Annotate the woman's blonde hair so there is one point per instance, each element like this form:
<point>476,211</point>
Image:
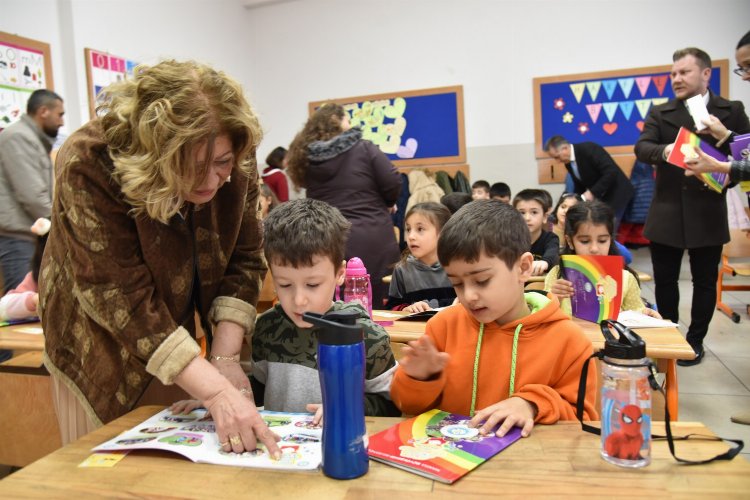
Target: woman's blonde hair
<point>324,124</point>
<point>154,122</point>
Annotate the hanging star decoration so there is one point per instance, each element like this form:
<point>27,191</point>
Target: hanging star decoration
<point>559,104</point>
<point>583,127</point>
<point>568,118</point>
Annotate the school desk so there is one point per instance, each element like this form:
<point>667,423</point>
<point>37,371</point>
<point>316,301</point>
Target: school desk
<point>14,337</point>
<point>665,345</point>
<point>556,460</point>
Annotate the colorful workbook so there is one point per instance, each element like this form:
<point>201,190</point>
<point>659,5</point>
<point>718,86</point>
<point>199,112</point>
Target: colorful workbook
<point>19,321</point>
<point>194,436</point>
<point>597,281</point>
<point>740,147</point>
<point>437,445</point>
<point>683,148</point>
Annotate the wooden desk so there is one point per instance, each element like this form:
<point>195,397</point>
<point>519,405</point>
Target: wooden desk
<point>665,345</point>
<point>11,338</point>
<point>556,460</point>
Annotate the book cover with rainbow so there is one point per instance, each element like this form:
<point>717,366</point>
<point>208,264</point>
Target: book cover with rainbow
<point>597,280</point>
<point>740,147</point>
<point>437,445</point>
<point>683,148</point>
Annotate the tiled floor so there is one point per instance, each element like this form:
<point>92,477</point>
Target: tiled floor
<point>720,386</point>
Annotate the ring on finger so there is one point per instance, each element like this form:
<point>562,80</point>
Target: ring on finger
<point>235,440</point>
<point>224,444</point>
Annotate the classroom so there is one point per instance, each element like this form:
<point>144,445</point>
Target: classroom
<point>293,57</point>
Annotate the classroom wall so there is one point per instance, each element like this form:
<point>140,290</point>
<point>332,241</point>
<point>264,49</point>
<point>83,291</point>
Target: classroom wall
<point>297,51</point>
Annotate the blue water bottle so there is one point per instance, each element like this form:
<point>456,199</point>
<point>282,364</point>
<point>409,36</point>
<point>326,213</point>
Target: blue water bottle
<point>341,366</point>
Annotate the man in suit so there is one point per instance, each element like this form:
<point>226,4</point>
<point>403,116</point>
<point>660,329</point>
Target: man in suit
<point>685,214</point>
<point>595,174</point>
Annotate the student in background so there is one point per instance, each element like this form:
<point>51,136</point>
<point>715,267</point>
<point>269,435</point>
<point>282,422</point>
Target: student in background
<point>502,356</point>
<point>330,159</point>
<point>589,230</point>
<point>480,190</point>
<point>148,229</point>
<point>304,242</point>
<point>455,200</point>
<point>267,200</point>
<point>419,282</point>
<point>566,201</point>
<point>274,177</point>
<point>500,191</point>
<point>22,301</point>
<point>533,205</point>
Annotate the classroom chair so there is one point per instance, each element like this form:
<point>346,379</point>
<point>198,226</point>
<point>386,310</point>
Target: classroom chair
<point>738,247</point>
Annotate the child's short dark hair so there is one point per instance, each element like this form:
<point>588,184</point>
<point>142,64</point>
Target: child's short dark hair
<point>481,184</point>
<point>538,195</point>
<point>488,226</point>
<point>296,231</point>
<point>455,200</point>
<point>500,189</point>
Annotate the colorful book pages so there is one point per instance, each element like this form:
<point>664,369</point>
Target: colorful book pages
<point>21,321</point>
<point>437,445</point>
<point>194,436</point>
<point>597,281</point>
<point>683,147</point>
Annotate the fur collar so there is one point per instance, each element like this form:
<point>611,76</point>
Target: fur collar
<point>320,151</point>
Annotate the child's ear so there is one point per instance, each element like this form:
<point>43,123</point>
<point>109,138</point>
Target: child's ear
<point>341,273</point>
<point>525,265</point>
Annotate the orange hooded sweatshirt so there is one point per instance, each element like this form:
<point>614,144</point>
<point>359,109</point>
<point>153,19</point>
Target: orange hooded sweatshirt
<point>550,356</point>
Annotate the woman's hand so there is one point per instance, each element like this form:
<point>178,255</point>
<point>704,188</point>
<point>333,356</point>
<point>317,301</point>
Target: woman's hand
<point>232,371</point>
<point>417,307</point>
<point>562,288</point>
<point>714,127</point>
<point>705,163</point>
<point>239,426</point>
<point>185,406</point>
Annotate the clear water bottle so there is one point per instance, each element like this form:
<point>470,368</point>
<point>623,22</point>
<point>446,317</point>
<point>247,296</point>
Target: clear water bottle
<point>341,367</point>
<point>626,398</point>
<point>357,286</point>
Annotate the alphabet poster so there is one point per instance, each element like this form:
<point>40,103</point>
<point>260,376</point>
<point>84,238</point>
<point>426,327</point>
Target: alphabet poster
<point>24,67</point>
<point>101,70</point>
<point>608,108</point>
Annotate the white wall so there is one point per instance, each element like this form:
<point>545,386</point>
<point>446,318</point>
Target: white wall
<point>299,51</point>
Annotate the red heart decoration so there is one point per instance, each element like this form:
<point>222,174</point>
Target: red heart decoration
<point>610,128</point>
<point>639,124</point>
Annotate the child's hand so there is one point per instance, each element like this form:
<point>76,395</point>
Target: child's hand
<point>418,307</point>
<point>513,411</point>
<point>562,288</point>
<point>421,360</point>
<point>185,406</point>
<point>539,267</point>
<point>650,312</point>
<point>318,410</point>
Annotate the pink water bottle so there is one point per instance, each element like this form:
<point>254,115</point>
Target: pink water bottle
<point>357,284</point>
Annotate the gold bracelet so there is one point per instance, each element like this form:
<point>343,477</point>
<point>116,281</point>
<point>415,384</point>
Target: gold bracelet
<point>235,358</point>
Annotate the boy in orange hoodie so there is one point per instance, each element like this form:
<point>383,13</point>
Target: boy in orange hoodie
<point>501,356</point>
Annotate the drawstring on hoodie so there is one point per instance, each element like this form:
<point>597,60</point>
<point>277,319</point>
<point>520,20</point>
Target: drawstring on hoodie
<point>514,355</point>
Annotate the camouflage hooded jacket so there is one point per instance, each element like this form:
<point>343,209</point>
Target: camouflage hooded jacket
<point>285,362</point>
<point>118,292</point>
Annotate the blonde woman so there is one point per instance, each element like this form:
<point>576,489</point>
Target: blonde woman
<point>155,220</point>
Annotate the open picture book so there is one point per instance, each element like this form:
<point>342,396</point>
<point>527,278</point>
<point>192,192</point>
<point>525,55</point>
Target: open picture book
<point>437,445</point>
<point>194,436</point>
<point>597,281</point>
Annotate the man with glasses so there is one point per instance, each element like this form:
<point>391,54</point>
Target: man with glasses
<point>685,214</point>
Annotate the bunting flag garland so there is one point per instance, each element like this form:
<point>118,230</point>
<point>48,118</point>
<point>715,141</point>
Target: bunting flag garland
<point>610,108</point>
<point>609,87</point>
<point>626,85</point>
<point>593,88</point>
<point>643,105</point>
<point>594,110</point>
<point>643,82</point>
<point>627,108</point>
<point>659,100</point>
<point>577,89</point>
<point>660,81</point>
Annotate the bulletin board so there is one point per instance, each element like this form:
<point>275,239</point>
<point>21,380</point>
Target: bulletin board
<point>102,69</point>
<point>25,66</point>
<point>608,107</point>
<point>416,127</point>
